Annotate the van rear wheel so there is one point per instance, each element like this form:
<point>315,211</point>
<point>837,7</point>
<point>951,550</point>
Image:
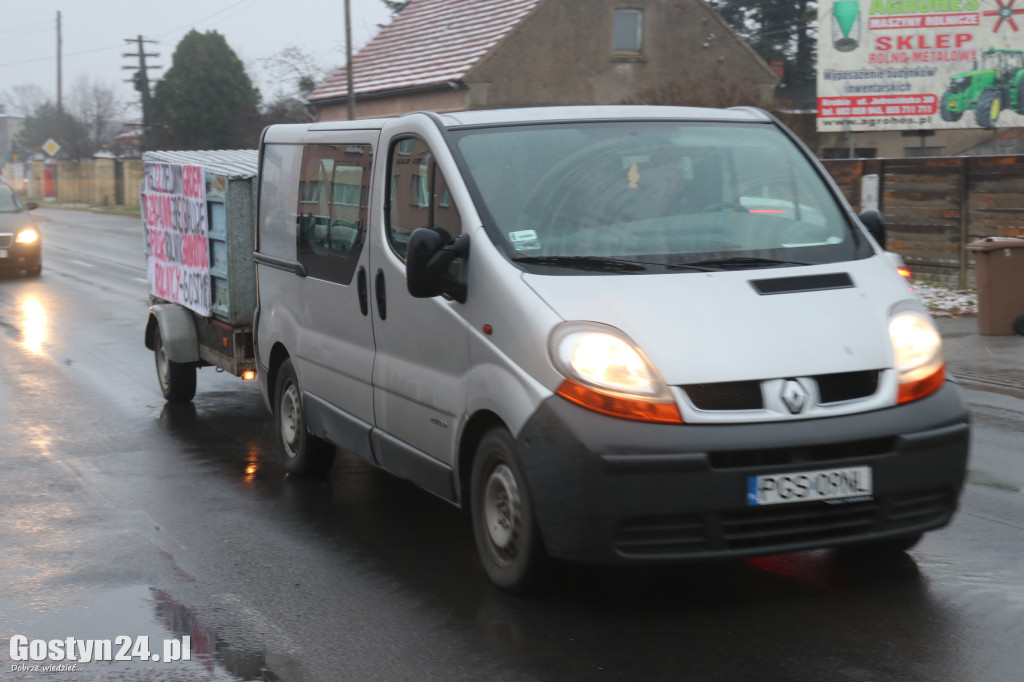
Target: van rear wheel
<point>304,453</point>
<point>504,526</point>
<point>177,380</point>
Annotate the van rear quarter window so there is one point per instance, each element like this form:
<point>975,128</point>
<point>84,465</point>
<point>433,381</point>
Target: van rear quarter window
<point>279,193</point>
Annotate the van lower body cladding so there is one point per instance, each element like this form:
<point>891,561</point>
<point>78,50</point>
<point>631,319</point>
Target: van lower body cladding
<point>610,491</point>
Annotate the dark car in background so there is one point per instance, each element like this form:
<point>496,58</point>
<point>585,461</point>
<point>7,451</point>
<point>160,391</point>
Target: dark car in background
<point>21,244</point>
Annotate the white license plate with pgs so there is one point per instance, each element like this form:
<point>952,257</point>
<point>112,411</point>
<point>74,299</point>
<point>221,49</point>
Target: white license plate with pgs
<point>810,486</point>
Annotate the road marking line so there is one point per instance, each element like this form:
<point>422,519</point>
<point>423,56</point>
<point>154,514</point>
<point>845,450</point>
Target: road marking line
<point>80,262</point>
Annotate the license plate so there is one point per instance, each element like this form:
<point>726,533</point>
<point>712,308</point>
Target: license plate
<point>809,486</point>
<point>3,253</point>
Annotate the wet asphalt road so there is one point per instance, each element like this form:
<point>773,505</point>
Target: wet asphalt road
<point>122,516</point>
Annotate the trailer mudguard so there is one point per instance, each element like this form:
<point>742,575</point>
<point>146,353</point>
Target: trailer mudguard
<point>177,329</point>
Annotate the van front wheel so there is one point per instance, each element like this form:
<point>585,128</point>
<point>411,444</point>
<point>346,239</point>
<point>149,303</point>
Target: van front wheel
<point>304,453</point>
<point>504,526</point>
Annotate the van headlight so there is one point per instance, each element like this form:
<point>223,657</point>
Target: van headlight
<point>29,235</point>
<point>917,355</point>
<point>606,372</point>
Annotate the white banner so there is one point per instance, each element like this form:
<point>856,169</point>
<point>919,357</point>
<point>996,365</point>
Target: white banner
<point>920,64</point>
<point>177,232</point>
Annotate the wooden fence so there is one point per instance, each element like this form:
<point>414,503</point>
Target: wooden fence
<point>935,206</point>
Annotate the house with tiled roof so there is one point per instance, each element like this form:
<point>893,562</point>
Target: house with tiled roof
<point>456,55</point>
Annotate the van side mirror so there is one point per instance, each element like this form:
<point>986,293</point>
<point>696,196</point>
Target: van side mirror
<point>431,250</point>
<point>31,205</point>
<point>875,222</point>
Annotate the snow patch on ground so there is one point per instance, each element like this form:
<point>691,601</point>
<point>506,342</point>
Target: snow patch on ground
<point>945,302</point>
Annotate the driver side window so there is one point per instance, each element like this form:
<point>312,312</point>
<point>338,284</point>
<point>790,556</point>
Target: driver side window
<point>418,194</point>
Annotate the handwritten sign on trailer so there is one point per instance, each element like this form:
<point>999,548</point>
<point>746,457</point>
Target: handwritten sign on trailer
<point>177,231</point>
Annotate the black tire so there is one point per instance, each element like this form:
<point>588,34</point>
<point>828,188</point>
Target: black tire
<point>304,454</point>
<point>504,525</point>
<point>945,113</point>
<point>177,380</point>
<point>987,110</point>
<point>1018,325</point>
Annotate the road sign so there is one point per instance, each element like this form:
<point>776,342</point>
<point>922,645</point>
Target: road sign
<point>51,147</point>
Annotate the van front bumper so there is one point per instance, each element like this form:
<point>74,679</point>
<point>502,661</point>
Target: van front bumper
<point>608,490</point>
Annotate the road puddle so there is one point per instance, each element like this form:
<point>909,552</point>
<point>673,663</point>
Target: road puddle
<point>132,633</point>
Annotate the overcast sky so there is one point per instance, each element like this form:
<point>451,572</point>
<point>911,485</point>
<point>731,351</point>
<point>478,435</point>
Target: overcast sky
<point>93,33</point>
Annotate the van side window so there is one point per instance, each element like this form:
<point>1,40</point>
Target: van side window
<point>418,195</point>
<point>334,193</point>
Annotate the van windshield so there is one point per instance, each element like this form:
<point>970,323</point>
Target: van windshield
<point>635,196</point>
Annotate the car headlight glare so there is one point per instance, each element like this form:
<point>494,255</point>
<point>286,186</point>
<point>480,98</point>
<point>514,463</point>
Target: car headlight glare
<point>27,236</point>
<point>917,354</point>
<point>608,373</point>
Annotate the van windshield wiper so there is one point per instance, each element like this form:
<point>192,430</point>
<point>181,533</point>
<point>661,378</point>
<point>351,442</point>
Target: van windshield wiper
<point>741,263</point>
<point>602,263</point>
<point>597,263</point>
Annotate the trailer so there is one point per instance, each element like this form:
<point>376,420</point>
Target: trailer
<point>198,215</point>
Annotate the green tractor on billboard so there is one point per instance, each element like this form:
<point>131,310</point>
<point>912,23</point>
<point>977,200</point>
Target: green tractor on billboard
<point>996,85</point>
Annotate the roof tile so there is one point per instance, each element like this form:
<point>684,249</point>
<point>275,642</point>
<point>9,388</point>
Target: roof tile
<point>430,42</point>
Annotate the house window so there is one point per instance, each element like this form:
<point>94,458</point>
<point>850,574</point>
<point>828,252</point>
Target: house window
<point>628,30</point>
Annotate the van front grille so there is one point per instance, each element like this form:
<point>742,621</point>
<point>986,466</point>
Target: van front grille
<point>747,395</point>
<point>726,395</point>
<point>767,528</point>
<point>835,388</point>
<point>6,240</point>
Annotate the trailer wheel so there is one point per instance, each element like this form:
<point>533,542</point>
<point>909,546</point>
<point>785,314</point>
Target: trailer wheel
<point>304,453</point>
<point>177,380</point>
<point>506,533</point>
<point>1018,325</point>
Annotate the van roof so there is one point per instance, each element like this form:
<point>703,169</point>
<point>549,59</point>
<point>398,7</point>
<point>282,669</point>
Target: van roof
<point>301,131</point>
<point>615,112</point>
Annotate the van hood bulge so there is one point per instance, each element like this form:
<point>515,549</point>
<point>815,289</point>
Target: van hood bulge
<point>716,326</point>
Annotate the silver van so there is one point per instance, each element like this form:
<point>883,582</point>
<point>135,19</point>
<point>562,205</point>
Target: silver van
<point>612,334</point>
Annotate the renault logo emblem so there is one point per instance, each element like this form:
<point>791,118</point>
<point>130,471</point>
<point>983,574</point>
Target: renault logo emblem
<point>794,396</point>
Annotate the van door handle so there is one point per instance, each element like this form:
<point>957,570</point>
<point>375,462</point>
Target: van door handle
<point>382,302</point>
<point>361,290</point>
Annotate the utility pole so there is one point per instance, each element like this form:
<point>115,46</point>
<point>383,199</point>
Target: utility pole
<point>60,103</point>
<point>351,99</point>
<point>141,79</point>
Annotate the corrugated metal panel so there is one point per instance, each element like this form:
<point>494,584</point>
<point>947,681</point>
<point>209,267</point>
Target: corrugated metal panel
<point>431,42</point>
<point>231,163</point>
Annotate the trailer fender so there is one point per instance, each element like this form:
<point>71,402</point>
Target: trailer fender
<point>177,328</point>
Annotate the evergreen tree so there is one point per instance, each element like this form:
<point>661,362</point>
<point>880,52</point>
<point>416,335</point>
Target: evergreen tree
<point>784,30</point>
<point>206,100</point>
<point>395,6</point>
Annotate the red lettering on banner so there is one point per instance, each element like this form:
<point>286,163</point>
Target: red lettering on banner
<point>194,252</point>
<point>191,180</point>
<point>166,279</point>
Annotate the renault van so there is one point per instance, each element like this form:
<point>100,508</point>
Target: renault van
<point>612,334</point>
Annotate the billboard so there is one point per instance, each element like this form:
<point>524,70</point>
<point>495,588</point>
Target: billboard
<point>920,64</point>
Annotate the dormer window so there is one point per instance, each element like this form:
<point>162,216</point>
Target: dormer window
<point>628,30</point>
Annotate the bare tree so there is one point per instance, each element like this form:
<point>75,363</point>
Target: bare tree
<point>99,110</point>
<point>295,73</point>
<point>24,100</point>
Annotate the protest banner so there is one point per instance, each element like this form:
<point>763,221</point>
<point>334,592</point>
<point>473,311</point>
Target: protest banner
<point>177,232</point>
